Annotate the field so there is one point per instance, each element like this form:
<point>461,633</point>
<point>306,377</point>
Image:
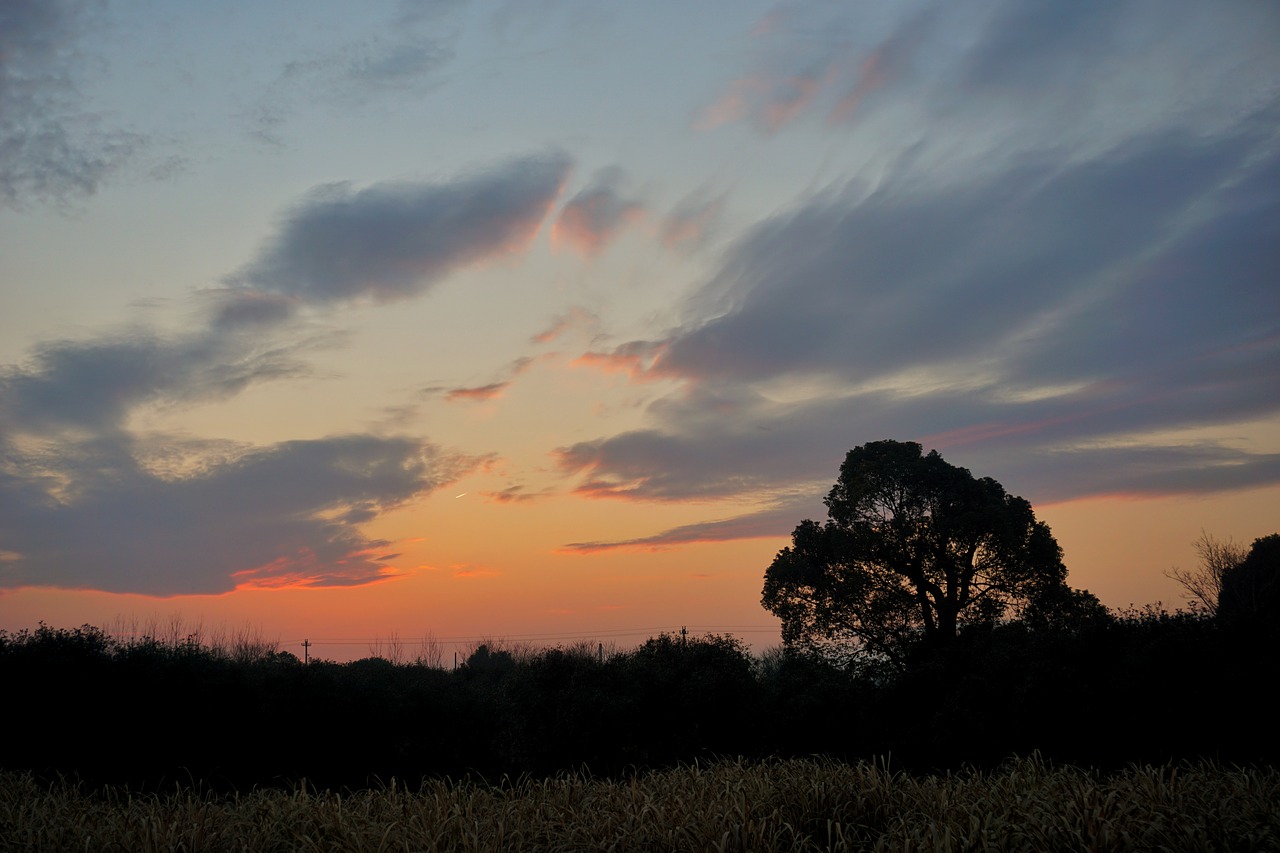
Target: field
<point>730,805</point>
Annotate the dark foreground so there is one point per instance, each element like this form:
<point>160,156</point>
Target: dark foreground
<point>794,805</point>
<point>1145,688</point>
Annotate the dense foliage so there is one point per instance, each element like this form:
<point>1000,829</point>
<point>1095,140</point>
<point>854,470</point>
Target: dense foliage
<point>1143,686</point>
<point>915,548</point>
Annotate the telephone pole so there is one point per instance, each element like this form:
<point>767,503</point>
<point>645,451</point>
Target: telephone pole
<point>306,651</point>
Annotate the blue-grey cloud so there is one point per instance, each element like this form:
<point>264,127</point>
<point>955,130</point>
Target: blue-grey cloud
<point>94,384</point>
<point>394,240</point>
<point>393,62</point>
<point>1083,70</point>
<point>1048,451</point>
<point>864,286</point>
<point>51,148</point>
<point>1040,315</point>
<point>284,514</point>
<point>414,12</point>
<point>705,450</point>
<point>776,520</point>
<point>692,221</point>
<point>399,57</point>
<point>1033,46</point>
<point>239,308</point>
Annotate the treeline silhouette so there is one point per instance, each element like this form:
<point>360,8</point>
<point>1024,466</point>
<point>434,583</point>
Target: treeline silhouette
<point>1144,685</point>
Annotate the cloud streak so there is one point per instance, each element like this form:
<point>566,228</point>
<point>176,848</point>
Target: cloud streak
<point>1044,315</point>
<point>777,520</point>
<point>493,390</point>
<point>595,216</point>
<point>95,384</point>
<point>393,241</point>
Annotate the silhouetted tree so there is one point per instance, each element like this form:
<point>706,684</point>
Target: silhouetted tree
<point>1250,595</point>
<point>1203,584</point>
<point>1066,610</point>
<point>914,548</point>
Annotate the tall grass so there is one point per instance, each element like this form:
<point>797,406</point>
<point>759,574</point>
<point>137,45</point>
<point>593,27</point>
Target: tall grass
<point>804,805</point>
<point>244,643</point>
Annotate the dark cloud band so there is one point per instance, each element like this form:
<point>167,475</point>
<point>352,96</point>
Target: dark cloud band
<point>394,240</point>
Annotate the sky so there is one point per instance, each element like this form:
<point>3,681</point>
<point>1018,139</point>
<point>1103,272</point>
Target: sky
<point>551,319</point>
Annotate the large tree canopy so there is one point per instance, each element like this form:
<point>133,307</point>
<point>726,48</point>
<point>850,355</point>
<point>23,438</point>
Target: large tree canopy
<point>914,548</point>
<point>1250,590</point>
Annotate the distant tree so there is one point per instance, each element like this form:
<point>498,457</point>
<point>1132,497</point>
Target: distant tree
<point>1250,594</point>
<point>489,661</point>
<point>1066,610</point>
<point>914,548</point>
<point>1203,585</point>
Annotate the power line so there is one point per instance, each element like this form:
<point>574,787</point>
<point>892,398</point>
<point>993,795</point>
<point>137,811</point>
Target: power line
<point>531,637</point>
<point>543,635</point>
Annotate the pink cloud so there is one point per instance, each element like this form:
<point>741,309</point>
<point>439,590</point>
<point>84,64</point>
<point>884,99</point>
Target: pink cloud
<point>730,107</point>
<point>789,96</point>
<point>594,217</point>
<point>773,100</point>
<point>872,73</point>
<point>480,393</point>
<point>796,79</point>
<point>689,223</point>
<point>636,359</point>
<point>575,317</point>
<point>305,569</point>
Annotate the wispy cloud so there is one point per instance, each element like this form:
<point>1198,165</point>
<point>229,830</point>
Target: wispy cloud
<point>492,390</point>
<point>596,215</point>
<point>1057,63</point>
<point>575,318</point>
<point>401,56</point>
<point>810,60</point>
<point>689,224</point>
<point>394,240</point>
<point>1049,316</point>
<point>52,148</point>
<point>777,520</point>
<point>636,359</point>
<point>467,571</point>
<point>96,383</point>
<point>478,393</point>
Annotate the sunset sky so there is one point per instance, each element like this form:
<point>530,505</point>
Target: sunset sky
<point>550,319</point>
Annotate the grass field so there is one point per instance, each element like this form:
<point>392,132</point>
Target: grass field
<point>730,805</point>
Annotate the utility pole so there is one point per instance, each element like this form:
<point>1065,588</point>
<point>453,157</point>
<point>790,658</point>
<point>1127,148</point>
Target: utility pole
<point>684,634</point>
<point>306,651</point>
<point>601,652</point>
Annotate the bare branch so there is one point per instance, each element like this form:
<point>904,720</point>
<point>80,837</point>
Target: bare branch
<point>1203,584</point>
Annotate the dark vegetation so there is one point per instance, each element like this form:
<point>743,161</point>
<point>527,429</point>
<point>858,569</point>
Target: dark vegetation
<point>1147,686</point>
<point>928,621</point>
